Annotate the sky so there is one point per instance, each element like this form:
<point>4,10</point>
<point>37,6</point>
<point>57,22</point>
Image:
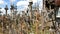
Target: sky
<point>21,4</point>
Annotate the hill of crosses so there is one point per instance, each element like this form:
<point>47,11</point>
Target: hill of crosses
<point>29,16</point>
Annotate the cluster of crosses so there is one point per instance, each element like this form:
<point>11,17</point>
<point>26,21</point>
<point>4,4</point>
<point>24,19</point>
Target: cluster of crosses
<point>6,8</point>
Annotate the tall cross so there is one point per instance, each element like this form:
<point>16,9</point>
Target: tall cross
<point>12,10</point>
<point>6,8</point>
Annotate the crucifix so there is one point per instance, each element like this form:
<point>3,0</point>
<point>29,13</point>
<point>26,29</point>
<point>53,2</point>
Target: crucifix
<point>6,8</point>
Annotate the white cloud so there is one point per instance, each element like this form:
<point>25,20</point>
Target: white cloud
<point>12,0</point>
<point>22,3</point>
<point>25,3</point>
<point>34,1</point>
<point>1,2</point>
<point>3,10</point>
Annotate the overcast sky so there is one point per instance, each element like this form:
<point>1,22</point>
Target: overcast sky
<point>21,4</point>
